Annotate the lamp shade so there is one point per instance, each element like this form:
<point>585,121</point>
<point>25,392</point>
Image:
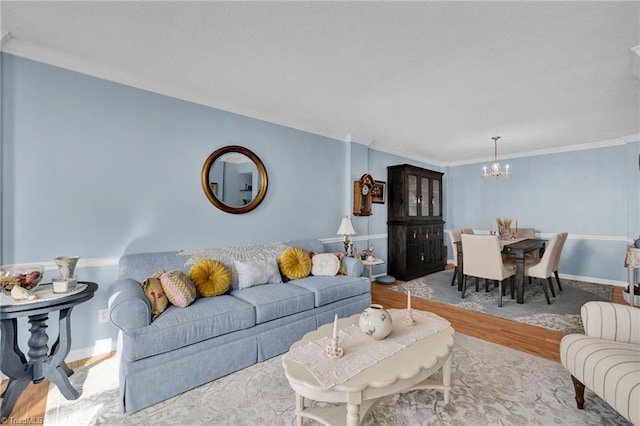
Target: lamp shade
<point>346,227</point>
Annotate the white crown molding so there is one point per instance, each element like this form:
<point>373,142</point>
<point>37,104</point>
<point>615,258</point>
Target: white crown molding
<point>355,139</point>
<point>622,140</point>
<point>407,155</point>
<point>60,59</point>
<point>57,58</point>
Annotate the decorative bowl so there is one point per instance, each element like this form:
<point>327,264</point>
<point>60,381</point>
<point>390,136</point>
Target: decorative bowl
<point>26,276</point>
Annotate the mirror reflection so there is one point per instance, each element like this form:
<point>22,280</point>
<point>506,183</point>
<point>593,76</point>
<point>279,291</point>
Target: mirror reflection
<point>234,179</point>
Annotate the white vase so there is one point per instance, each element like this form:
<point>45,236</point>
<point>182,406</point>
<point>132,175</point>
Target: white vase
<point>375,321</point>
<point>66,265</point>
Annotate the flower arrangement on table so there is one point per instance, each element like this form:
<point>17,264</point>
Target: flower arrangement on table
<point>504,228</point>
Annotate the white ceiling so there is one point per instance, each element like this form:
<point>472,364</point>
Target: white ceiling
<point>429,80</point>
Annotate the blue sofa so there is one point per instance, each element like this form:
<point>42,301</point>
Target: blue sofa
<point>186,347</point>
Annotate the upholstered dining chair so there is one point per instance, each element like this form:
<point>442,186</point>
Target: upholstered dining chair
<point>526,233</point>
<point>556,259</point>
<point>482,259</point>
<point>454,236</point>
<point>542,268</point>
<point>468,231</point>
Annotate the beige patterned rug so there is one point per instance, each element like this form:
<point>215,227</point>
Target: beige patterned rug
<point>492,385</point>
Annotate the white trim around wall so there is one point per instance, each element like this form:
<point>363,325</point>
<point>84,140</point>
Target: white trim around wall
<point>571,236</point>
<point>96,262</point>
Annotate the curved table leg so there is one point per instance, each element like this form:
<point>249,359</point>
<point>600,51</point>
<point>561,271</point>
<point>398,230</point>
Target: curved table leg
<point>55,368</point>
<point>13,364</point>
<point>58,352</point>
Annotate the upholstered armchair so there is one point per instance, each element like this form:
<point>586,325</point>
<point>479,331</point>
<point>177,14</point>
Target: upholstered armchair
<point>606,359</point>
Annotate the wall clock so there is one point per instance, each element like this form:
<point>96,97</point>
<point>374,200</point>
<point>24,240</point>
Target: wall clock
<point>362,195</point>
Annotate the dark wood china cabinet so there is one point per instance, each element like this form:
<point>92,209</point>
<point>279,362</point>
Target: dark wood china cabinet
<point>414,219</point>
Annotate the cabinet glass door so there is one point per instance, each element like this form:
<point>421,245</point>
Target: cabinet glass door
<point>435,201</point>
<point>413,195</point>
<point>424,196</point>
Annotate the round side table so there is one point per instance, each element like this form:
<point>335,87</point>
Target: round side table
<point>42,363</point>
<point>369,264</point>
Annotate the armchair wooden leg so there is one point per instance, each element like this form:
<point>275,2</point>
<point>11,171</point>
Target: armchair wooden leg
<point>579,387</point>
<point>500,291</point>
<point>477,283</point>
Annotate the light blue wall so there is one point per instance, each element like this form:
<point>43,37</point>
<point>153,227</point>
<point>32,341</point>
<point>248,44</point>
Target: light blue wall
<point>98,169</point>
<point>592,194</point>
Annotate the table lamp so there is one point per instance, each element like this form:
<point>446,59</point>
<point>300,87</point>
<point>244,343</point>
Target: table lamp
<point>346,229</point>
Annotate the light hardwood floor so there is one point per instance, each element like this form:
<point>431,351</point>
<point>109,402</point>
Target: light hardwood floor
<point>526,338</point>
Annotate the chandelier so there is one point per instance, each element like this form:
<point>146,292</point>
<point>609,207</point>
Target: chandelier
<point>495,171</point>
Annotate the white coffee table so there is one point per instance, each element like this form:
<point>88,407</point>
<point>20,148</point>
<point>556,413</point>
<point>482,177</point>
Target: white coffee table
<point>406,370</point>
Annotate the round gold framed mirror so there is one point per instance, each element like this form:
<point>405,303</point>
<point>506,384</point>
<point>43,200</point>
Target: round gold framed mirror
<point>234,179</point>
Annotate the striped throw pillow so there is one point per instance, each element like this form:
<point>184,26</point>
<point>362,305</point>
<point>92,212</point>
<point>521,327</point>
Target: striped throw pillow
<point>178,287</point>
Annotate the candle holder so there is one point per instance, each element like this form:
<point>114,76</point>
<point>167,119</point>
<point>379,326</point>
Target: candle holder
<point>408,320</point>
<point>333,350</point>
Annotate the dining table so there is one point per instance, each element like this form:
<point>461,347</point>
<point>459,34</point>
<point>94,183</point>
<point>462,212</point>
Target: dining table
<point>518,247</point>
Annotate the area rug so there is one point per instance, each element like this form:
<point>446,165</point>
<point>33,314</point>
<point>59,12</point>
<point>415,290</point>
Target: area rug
<point>492,385</point>
<point>562,315</point>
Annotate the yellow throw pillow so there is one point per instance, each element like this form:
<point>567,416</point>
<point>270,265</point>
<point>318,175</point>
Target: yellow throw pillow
<point>295,263</point>
<point>210,277</point>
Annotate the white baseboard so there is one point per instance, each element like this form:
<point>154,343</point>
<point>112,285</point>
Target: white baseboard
<point>585,279</point>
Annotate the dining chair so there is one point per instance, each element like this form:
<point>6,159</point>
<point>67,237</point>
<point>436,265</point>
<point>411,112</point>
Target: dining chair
<point>526,233</point>
<point>468,231</point>
<point>454,236</point>
<point>556,259</point>
<point>482,259</point>
<point>542,268</point>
